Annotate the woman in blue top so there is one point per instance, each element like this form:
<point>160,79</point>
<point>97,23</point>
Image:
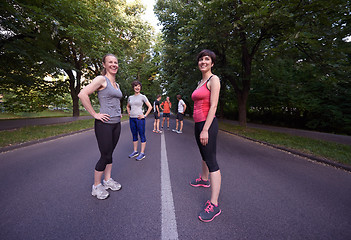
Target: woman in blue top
<point>137,119</point>
<point>107,123</point>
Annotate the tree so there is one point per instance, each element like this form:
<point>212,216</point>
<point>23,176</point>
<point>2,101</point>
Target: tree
<point>69,36</point>
<point>99,27</point>
<point>243,33</point>
<point>26,56</point>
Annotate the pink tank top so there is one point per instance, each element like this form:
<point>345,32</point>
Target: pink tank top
<point>201,98</point>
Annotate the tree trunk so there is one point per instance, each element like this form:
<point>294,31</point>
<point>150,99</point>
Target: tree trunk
<point>74,86</point>
<point>243,95</point>
<point>75,106</point>
<point>242,101</point>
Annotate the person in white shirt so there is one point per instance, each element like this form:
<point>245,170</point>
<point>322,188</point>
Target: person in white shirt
<point>180,115</point>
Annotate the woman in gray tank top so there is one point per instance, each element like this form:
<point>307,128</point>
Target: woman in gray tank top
<point>107,123</point>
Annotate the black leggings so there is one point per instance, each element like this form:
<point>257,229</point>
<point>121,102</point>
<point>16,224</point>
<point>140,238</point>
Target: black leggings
<point>107,136</point>
<point>208,152</point>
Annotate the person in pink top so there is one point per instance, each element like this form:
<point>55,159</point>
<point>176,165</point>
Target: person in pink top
<point>205,99</point>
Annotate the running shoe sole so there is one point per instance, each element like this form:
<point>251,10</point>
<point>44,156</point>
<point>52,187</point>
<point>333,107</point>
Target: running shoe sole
<point>107,187</point>
<point>131,156</point>
<point>200,185</point>
<point>139,159</point>
<point>103,198</point>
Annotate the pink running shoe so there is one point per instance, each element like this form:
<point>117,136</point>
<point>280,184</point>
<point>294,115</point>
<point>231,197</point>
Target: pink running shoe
<point>210,212</point>
<point>199,182</point>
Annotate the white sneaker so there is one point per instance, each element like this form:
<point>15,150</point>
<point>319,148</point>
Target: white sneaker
<point>99,191</point>
<point>179,132</point>
<point>112,184</point>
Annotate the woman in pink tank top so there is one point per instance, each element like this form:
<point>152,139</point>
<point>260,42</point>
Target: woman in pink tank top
<point>205,99</point>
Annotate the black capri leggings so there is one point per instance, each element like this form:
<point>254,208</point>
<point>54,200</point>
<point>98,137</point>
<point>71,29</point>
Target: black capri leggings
<point>208,152</point>
<point>107,136</point>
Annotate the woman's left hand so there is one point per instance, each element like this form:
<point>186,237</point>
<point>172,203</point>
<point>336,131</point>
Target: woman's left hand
<point>204,137</point>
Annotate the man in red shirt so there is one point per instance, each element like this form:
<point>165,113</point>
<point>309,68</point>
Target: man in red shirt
<point>166,108</point>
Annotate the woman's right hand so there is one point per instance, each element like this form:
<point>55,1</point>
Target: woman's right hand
<point>102,117</point>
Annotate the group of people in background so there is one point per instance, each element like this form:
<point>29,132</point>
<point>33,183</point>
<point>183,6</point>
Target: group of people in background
<point>108,125</point>
<point>166,109</point>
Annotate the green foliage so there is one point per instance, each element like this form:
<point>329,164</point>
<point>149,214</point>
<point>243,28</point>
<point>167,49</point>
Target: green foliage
<point>143,65</point>
<point>35,97</point>
<point>303,82</point>
<point>56,36</point>
<point>291,55</point>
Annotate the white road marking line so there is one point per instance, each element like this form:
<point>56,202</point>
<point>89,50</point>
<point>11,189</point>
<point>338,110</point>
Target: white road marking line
<point>169,223</point>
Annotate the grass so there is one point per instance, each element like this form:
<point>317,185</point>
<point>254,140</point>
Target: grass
<point>31,133</point>
<point>329,150</point>
<point>46,113</point>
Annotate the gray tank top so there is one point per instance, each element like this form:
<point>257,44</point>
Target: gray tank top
<point>109,99</point>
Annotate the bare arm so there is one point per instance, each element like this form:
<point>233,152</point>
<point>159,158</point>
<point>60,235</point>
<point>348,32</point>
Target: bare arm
<point>184,105</point>
<point>148,104</point>
<point>158,110</point>
<point>214,86</point>
<point>128,108</point>
<point>96,84</point>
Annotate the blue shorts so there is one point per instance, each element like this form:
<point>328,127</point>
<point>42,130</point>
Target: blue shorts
<point>166,115</point>
<point>137,126</point>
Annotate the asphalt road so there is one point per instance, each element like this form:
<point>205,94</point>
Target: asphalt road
<point>266,193</point>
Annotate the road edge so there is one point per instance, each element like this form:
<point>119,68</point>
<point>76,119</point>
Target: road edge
<point>298,153</point>
<point>29,143</point>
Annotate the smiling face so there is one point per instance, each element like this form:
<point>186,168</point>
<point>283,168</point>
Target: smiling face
<point>137,88</point>
<point>205,63</point>
<point>111,64</point>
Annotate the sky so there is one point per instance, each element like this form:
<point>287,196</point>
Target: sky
<point>149,14</point>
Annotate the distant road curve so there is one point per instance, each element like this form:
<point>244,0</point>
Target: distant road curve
<point>18,123</point>
<point>343,139</point>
